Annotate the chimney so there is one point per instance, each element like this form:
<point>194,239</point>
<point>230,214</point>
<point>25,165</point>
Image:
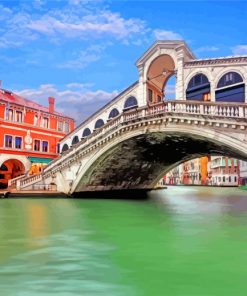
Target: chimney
<point>51,101</point>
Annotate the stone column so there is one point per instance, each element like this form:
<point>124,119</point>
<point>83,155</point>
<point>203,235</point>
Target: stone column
<point>180,78</point>
<point>142,96</point>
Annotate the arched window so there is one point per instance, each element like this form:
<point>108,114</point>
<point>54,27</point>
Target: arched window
<point>86,132</point>
<point>230,88</point>
<point>198,88</point>
<point>99,123</point>
<point>65,147</point>
<point>130,103</point>
<point>75,140</point>
<point>114,112</point>
<point>3,168</point>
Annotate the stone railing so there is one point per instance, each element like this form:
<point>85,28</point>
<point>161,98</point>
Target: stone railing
<point>167,108</point>
<point>28,181</point>
<point>12,182</point>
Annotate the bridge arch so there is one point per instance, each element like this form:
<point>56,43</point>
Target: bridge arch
<point>198,88</point>
<point>114,112</point>
<point>160,70</point>
<point>86,132</point>
<point>99,123</point>
<point>230,87</point>
<point>138,159</point>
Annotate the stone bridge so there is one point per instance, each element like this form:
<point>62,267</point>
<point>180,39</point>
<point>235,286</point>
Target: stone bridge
<point>140,135</point>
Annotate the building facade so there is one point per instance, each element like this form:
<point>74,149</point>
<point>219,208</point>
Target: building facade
<point>29,135</point>
<point>224,171</point>
<point>243,172</point>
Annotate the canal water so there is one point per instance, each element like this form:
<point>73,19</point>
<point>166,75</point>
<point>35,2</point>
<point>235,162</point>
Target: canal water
<point>182,241</point>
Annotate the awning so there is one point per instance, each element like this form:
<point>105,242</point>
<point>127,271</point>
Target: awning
<point>39,159</point>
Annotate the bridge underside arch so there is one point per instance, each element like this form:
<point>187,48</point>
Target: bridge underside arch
<point>140,161</point>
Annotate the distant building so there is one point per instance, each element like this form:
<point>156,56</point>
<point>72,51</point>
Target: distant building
<point>224,171</point>
<point>29,135</point>
<point>243,172</point>
<point>215,170</point>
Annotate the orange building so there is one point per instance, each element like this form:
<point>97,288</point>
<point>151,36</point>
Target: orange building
<point>29,135</point>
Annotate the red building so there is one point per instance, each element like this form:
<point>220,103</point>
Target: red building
<point>29,135</point>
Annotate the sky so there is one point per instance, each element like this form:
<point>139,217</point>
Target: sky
<point>83,52</point>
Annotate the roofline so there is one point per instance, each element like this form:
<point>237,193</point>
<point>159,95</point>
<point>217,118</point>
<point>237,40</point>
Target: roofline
<point>102,108</point>
<point>162,42</point>
<point>2,99</point>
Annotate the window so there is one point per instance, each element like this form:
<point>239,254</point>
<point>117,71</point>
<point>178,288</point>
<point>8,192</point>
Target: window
<point>86,132</point>
<point>75,140</point>
<point>150,95</point>
<point>60,126</point>
<point>230,88</point>
<point>36,145</point>
<point>130,103</point>
<point>99,123</point>
<point>9,114</point>
<point>8,141</point>
<point>66,127</point>
<point>159,98</point>
<point>114,112</point>
<point>45,146</point>
<point>65,147</point>
<point>45,122</point>
<point>230,179</point>
<point>18,141</point>
<point>198,88</point>
<point>18,116</point>
<point>35,120</point>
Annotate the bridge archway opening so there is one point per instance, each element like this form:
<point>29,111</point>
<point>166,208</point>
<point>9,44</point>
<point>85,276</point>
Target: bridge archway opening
<point>141,161</point>
<point>161,80</point>
<point>65,148</point>
<point>230,88</point>
<point>114,112</point>
<point>86,132</point>
<point>198,88</point>
<point>10,169</point>
<point>99,123</point>
<point>130,103</point>
<point>75,140</point>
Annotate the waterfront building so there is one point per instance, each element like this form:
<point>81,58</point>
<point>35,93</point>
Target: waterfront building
<point>243,172</point>
<point>224,171</point>
<point>174,176</point>
<point>29,135</point>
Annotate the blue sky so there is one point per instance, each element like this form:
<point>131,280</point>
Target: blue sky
<point>83,52</point>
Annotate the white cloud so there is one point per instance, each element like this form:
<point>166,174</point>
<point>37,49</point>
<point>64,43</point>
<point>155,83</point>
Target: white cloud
<point>166,35</point>
<point>239,50</point>
<point>206,49</point>
<point>83,58</point>
<point>90,26</point>
<point>76,101</point>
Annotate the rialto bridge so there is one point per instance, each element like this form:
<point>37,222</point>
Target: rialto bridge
<point>140,135</point>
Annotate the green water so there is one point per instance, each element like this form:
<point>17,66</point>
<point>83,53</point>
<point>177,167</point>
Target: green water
<point>182,241</point>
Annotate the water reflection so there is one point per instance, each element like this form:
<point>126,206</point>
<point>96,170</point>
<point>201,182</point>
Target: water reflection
<point>182,241</point>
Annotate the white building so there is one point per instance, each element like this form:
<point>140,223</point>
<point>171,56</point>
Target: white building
<point>243,172</point>
<point>224,171</point>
